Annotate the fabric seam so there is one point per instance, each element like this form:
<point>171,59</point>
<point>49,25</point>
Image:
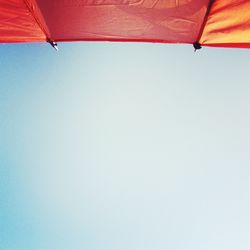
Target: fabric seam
<point>32,12</point>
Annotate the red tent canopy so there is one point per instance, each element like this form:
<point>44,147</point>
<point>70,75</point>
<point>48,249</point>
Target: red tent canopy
<point>200,22</point>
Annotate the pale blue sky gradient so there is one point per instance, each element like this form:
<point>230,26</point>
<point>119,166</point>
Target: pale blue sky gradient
<point>124,146</point>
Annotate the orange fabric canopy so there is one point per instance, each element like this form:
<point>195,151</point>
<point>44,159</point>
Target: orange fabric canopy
<point>205,22</point>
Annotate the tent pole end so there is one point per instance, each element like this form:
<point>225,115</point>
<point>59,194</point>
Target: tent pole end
<point>196,46</point>
<point>53,44</point>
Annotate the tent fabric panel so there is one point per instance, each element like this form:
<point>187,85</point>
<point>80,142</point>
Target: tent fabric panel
<point>228,24</point>
<point>124,20</point>
<point>17,23</point>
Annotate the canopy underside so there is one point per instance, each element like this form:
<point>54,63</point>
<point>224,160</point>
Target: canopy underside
<point>169,21</point>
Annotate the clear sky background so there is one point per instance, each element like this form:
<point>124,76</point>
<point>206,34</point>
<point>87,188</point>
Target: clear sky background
<point>124,146</point>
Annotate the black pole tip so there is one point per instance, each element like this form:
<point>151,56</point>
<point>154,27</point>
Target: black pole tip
<point>197,46</point>
<point>53,44</point>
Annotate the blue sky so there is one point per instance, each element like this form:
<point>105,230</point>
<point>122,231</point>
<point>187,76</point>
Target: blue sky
<point>114,146</point>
